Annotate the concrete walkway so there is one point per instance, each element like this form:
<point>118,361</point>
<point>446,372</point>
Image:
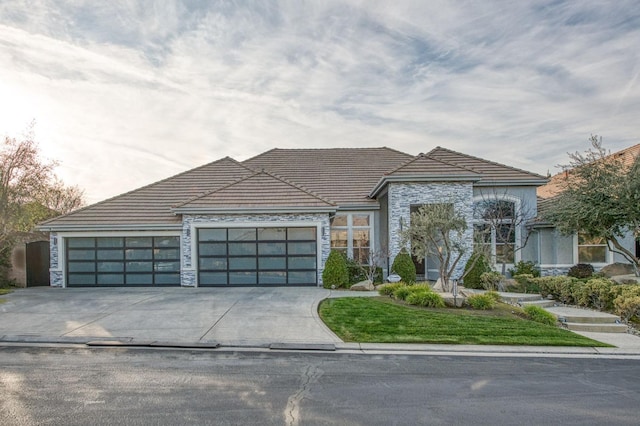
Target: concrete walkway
<point>231,317</point>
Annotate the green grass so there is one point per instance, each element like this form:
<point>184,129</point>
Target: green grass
<point>382,320</point>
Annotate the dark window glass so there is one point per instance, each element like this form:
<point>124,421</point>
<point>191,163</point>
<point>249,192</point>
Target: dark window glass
<point>302,277</point>
<point>139,266</point>
<point>272,262</point>
<point>242,234</point>
<point>272,248</point>
<point>272,277</point>
<point>213,278</point>
<point>110,242</point>
<point>77,254</point>
<point>213,263</point>
<point>110,267</point>
<point>302,263</point>
<point>302,233</point>
<point>213,249</point>
<point>110,254</point>
<point>81,279</point>
<point>302,248</point>
<point>272,234</point>
<point>81,242</point>
<point>140,279</point>
<point>167,242</point>
<point>82,267</point>
<point>242,263</point>
<point>139,254</point>
<point>166,253</point>
<point>242,278</point>
<point>212,234</point>
<point>139,242</point>
<point>110,279</point>
<point>242,249</point>
<point>167,279</point>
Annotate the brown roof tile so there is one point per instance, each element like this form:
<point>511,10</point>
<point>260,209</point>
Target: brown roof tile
<point>344,175</point>
<point>492,173</point>
<point>151,205</point>
<point>261,190</point>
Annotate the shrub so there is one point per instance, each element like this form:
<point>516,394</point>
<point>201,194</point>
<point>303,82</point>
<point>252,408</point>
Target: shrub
<point>595,293</point>
<point>475,267</point>
<point>560,287</point>
<point>424,296</point>
<point>494,295</point>
<point>388,289</point>
<point>492,281</point>
<point>581,270</point>
<point>537,314</point>
<point>527,283</point>
<point>401,292</point>
<point>481,301</point>
<point>522,268</point>
<point>627,307</point>
<point>335,272</point>
<point>403,266</point>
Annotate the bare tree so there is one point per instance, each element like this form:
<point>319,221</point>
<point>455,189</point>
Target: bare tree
<point>29,190</point>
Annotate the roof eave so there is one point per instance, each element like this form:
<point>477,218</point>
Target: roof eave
<point>422,178</point>
<point>252,210</point>
<point>512,182</point>
<point>113,227</point>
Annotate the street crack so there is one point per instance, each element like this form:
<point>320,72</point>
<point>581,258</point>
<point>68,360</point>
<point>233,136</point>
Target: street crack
<point>310,375</point>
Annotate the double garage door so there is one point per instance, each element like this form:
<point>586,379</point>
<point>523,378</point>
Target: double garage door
<point>285,256</point>
<point>257,256</point>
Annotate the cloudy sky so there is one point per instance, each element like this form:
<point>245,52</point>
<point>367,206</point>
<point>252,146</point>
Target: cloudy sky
<point>125,93</point>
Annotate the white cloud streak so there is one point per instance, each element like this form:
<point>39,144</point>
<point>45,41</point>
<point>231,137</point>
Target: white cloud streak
<point>129,92</point>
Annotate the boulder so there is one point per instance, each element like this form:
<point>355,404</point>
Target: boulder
<point>365,285</point>
<point>616,269</point>
<point>394,278</point>
<point>626,279</point>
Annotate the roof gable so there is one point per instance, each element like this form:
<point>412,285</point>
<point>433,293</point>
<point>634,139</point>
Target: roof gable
<point>262,191</point>
<point>492,173</point>
<point>151,204</point>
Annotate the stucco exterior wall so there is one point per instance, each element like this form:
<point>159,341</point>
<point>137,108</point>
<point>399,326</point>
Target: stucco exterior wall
<point>191,222</point>
<point>403,195</point>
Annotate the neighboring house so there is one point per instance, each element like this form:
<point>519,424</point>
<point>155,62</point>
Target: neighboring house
<point>556,253</point>
<point>272,220</point>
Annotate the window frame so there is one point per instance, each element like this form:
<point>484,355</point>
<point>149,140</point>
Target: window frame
<point>608,254</point>
<point>493,240</point>
<point>350,228</point>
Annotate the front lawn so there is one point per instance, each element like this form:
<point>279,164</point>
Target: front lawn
<point>382,320</point>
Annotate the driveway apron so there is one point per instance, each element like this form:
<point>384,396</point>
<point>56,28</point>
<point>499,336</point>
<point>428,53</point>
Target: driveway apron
<point>228,316</point>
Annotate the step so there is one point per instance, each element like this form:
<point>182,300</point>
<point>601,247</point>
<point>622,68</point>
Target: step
<point>584,316</point>
<point>597,328</point>
<point>543,303</point>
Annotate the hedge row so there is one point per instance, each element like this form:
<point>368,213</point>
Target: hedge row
<point>597,293</point>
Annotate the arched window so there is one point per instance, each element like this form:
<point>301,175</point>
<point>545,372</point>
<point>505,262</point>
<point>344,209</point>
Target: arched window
<point>495,229</point>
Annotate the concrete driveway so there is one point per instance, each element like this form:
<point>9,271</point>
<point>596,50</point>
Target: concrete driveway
<point>228,316</point>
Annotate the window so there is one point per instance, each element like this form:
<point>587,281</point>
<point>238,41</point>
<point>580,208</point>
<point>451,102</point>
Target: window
<point>591,249</point>
<point>495,229</point>
<point>351,234</point>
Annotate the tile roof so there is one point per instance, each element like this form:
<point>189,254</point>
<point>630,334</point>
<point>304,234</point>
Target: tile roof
<point>492,173</point>
<point>344,175</point>
<point>556,182</point>
<point>309,179</point>
<point>152,204</point>
<point>260,191</point>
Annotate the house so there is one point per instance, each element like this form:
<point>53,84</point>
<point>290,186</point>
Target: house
<point>556,253</point>
<point>272,220</point>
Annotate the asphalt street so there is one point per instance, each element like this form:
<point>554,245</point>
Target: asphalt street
<point>79,385</point>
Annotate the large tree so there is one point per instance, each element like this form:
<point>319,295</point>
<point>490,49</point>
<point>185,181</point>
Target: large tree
<point>30,192</point>
<point>599,199</point>
<point>436,230</point>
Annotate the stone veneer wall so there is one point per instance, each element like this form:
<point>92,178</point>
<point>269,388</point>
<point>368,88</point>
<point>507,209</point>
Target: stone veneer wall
<point>55,271</point>
<point>403,195</point>
<point>189,269</point>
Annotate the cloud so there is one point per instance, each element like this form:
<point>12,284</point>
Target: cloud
<point>129,92</point>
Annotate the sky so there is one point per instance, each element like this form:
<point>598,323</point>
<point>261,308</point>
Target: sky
<point>125,93</point>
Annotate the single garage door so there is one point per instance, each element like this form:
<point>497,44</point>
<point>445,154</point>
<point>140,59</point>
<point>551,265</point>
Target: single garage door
<point>257,256</point>
<point>123,261</point>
